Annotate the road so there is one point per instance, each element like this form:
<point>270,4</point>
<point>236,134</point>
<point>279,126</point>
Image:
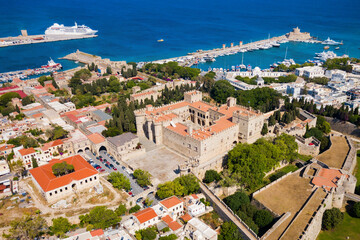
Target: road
<point>136,189</point>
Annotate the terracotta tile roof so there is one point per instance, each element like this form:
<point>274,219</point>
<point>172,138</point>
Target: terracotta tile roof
<point>170,202</point>
<point>97,232</point>
<point>48,181</point>
<point>186,217</point>
<point>6,147</point>
<point>50,86</point>
<point>37,115</point>
<point>194,196</point>
<point>167,219</point>
<point>145,215</point>
<point>174,226</point>
<point>169,107</point>
<point>166,117</point>
<point>327,178</point>
<point>201,106</point>
<point>96,138</point>
<point>52,144</point>
<point>26,151</point>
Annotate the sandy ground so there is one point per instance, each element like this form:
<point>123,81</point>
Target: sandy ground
<point>335,156</point>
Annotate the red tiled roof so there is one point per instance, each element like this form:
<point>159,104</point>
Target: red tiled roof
<point>327,178</point>
<point>37,115</point>
<point>145,215</point>
<point>170,202</point>
<point>26,151</point>
<point>21,93</point>
<point>167,219</point>
<point>174,225</point>
<point>6,147</point>
<point>186,217</point>
<point>194,196</point>
<point>96,138</point>
<point>97,232</point>
<point>48,181</point>
<point>52,144</point>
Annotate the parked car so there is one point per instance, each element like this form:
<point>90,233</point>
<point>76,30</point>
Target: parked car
<point>123,168</point>
<point>114,168</point>
<point>111,165</point>
<point>117,163</point>
<point>130,193</point>
<point>102,170</point>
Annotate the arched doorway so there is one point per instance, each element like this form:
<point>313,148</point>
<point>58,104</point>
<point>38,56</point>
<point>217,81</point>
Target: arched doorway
<point>102,148</point>
<point>87,149</point>
<point>80,151</point>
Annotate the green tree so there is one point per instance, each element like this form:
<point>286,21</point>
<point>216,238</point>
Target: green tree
<point>134,209</point>
<point>34,162</point>
<point>262,218</point>
<point>323,125</point>
<point>56,133</point>
<point>221,91</point>
<point>264,129</point>
<point>272,120</point>
<point>236,200</point>
<point>63,168</point>
<point>211,175</point>
<point>356,209</point>
<point>228,231</point>
<point>100,217</point>
<point>168,237</point>
<point>119,181</point>
<point>6,98</point>
<point>332,218</point>
<point>108,70</point>
<point>60,226</point>
<point>142,177</point>
<point>27,228</point>
<point>146,234</point>
<point>120,210</point>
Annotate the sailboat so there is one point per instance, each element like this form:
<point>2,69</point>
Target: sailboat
<point>242,66</point>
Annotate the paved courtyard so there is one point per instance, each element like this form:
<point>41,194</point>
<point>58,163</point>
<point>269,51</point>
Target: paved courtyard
<point>160,162</point>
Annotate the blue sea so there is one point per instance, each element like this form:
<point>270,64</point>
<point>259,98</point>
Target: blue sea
<point>129,30</point>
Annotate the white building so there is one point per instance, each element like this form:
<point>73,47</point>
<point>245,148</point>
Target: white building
<point>4,167</point>
<point>56,188</point>
<point>310,71</point>
<point>197,230</point>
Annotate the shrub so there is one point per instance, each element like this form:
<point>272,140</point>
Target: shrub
<point>263,218</point>
<point>332,218</point>
<point>134,209</point>
<point>236,200</point>
<point>211,175</point>
<point>356,209</point>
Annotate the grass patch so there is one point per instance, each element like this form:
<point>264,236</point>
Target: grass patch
<point>350,227</point>
<point>305,158</point>
<point>212,218</point>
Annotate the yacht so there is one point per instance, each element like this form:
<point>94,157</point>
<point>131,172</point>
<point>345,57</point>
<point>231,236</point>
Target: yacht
<point>329,41</point>
<point>60,29</point>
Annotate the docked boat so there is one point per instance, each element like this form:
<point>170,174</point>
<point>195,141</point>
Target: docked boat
<point>60,29</point>
<point>160,40</point>
<point>326,47</point>
<point>329,41</point>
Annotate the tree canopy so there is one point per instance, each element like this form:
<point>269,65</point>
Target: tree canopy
<point>60,226</point>
<point>100,217</point>
<point>28,227</point>
<point>211,175</point>
<point>229,230</point>
<point>250,162</point>
<point>221,90</point>
<point>119,181</point>
<point>181,186</point>
<point>142,177</point>
<point>63,168</point>
<point>332,218</point>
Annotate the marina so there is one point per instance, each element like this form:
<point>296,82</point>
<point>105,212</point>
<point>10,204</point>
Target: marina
<point>201,56</point>
<point>24,74</point>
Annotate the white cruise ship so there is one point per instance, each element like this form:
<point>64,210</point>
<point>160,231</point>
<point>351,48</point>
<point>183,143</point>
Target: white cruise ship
<point>60,29</point>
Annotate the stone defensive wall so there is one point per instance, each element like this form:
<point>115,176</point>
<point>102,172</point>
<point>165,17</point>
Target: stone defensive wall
<point>220,209</point>
<point>350,161</point>
<point>313,227</point>
<point>276,181</point>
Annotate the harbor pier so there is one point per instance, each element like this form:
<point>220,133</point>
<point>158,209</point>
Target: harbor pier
<point>42,38</point>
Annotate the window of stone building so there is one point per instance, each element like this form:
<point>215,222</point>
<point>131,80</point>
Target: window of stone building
<point>55,192</point>
<point>86,181</point>
<point>189,145</point>
<point>65,188</point>
<point>90,179</point>
<point>60,190</point>
<point>50,194</point>
<point>95,178</point>
<point>81,182</point>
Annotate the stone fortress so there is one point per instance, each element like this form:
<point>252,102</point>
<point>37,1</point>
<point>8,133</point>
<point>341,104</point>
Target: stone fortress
<point>198,130</point>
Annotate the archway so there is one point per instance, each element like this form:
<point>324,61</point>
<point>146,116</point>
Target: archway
<point>102,148</point>
<point>87,149</point>
<point>80,151</point>
<point>73,185</point>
